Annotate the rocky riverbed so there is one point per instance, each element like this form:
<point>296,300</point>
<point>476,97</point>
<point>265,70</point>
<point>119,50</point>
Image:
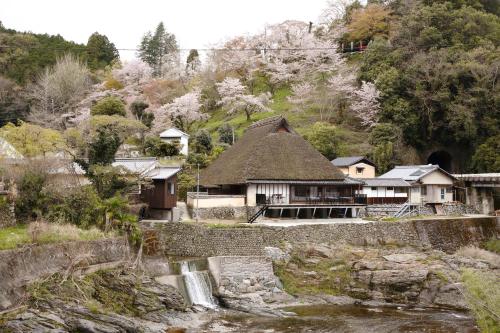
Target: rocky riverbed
<point>316,287</point>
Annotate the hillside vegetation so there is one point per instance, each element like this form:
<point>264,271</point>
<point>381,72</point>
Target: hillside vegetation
<point>425,79</point>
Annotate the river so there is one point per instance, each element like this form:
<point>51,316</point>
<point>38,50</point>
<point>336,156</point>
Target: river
<point>348,319</point>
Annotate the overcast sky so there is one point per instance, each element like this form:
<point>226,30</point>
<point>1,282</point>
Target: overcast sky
<point>196,23</point>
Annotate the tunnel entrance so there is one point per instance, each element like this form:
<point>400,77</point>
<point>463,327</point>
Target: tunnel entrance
<point>441,158</point>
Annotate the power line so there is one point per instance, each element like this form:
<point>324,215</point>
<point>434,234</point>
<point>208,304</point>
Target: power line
<point>186,49</point>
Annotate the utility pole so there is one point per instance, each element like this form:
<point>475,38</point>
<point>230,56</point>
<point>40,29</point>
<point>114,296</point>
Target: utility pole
<point>232,128</point>
<point>198,192</point>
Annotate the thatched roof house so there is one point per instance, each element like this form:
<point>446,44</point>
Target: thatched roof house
<point>270,150</point>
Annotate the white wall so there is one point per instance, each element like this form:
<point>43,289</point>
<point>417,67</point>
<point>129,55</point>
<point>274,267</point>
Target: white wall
<point>368,171</point>
<point>437,178</point>
<point>269,190</point>
<point>211,201</point>
<point>382,192</point>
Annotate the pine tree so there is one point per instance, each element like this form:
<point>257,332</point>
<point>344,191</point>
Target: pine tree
<point>155,48</point>
<point>101,52</point>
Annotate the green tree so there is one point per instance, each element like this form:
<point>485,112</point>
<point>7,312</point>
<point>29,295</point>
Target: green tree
<point>368,23</point>
<point>32,200</point>
<point>437,74</point>
<point>203,142</point>
<point>100,51</point>
<point>154,146</point>
<point>80,206</point>
<point>325,139</point>
<point>193,61</point>
<point>487,156</point>
<point>155,47</point>
<point>110,181</point>
<point>103,147</point>
<point>32,140</point>
<point>138,109</point>
<point>226,134</point>
<point>108,106</point>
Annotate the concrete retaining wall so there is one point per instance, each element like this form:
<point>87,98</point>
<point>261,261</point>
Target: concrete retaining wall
<point>19,267</point>
<point>187,239</point>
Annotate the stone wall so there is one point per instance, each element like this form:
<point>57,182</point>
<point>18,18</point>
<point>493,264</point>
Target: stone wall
<point>223,213</point>
<point>187,239</point>
<point>19,267</point>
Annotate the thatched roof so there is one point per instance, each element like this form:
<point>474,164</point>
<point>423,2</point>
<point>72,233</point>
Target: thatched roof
<point>269,150</point>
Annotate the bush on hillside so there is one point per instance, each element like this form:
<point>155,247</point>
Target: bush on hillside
<point>108,106</point>
<point>154,146</point>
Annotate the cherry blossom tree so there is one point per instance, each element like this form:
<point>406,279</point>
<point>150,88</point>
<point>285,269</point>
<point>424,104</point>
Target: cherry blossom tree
<point>302,94</point>
<point>182,111</point>
<point>367,106</point>
<point>234,98</point>
<point>132,72</point>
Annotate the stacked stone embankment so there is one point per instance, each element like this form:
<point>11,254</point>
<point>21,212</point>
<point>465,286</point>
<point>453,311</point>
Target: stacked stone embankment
<point>188,239</point>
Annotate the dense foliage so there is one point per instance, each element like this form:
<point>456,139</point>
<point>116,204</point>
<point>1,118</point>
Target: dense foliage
<point>438,75</point>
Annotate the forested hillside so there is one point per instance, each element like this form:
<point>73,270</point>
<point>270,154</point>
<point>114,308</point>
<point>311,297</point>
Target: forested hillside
<point>398,81</point>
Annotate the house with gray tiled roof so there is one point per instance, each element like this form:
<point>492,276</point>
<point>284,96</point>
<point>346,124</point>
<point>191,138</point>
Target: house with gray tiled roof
<point>355,166</point>
<point>429,183</point>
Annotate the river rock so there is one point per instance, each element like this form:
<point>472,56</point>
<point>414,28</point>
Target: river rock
<point>404,257</point>
<point>451,296</point>
<point>276,254</point>
<point>399,277</point>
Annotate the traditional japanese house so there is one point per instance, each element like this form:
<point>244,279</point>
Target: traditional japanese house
<point>273,168</point>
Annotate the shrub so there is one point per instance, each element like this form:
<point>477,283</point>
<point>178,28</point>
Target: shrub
<point>325,138</point>
<point>203,142</point>
<point>109,181</point>
<point>108,106</point>
<point>32,200</point>
<point>493,245</point>
<point>154,146</point>
<point>113,84</point>
<point>226,133</point>
<point>81,206</point>
<point>186,183</point>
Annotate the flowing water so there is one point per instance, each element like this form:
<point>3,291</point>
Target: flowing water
<point>197,284</point>
<point>349,319</point>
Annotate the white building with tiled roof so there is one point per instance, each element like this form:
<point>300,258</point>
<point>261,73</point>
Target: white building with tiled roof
<point>429,183</point>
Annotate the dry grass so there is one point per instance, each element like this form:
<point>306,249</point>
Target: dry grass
<point>477,253</point>
<point>45,233</point>
<point>483,295</point>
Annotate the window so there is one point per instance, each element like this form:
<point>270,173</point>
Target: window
<point>374,188</point>
<point>400,190</point>
<point>442,193</point>
<point>301,191</point>
<point>449,189</point>
<point>359,171</point>
<point>423,190</point>
<point>171,188</point>
<point>390,188</point>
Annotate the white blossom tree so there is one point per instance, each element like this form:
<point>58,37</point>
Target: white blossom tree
<point>366,106</point>
<point>133,72</point>
<point>302,94</point>
<point>182,111</point>
<point>234,98</point>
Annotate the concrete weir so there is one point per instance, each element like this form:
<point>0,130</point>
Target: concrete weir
<point>447,234</point>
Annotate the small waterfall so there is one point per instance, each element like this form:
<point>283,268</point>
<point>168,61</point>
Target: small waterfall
<point>198,286</point>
